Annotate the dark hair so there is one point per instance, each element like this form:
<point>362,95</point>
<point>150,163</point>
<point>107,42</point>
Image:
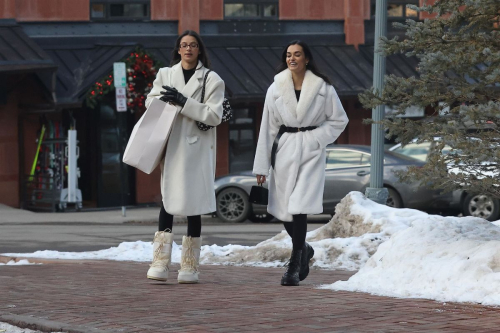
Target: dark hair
<point>307,52</point>
<point>202,56</point>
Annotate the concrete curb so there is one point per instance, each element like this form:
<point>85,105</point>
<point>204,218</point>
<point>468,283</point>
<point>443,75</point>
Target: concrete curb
<point>44,325</point>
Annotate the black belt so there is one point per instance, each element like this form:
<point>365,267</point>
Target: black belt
<point>286,129</point>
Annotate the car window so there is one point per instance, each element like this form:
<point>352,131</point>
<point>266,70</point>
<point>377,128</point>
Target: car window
<point>366,159</point>
<point>447,149</point>
<point>415,150</point>
<point>337,159</point>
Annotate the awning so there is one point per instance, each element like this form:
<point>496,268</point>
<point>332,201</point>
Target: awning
<point>247,70</point>
<point>19,53</point>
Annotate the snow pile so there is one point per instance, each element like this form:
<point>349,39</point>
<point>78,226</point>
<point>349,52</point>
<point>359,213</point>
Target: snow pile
<point>443,258</point>
<point>346,242</point>
<point>17,263</point>
<point>7,328</point>
<point>126,251</point>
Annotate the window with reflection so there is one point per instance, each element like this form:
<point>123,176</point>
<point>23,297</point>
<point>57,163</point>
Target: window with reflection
<point>338,159</point>
<point>119,10</point>
<point>256,9</point>
<point>415,150</point>
<point>397,9</point>
<point>394,10</point>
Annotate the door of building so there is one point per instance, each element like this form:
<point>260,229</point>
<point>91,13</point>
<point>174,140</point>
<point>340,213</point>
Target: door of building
<point>116,181</point>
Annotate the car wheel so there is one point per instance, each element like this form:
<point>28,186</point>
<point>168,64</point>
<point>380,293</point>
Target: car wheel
<point>233,205</point>
<point>394,200</point>
<point>482,205</point>
<point>261,217</point>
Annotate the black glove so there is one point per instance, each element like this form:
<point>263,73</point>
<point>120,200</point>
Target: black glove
<point>163,98</point>
<point>173,96</point>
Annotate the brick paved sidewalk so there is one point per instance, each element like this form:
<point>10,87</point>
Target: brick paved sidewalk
<point>110,296</point>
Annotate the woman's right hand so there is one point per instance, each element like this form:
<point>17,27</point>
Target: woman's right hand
<point>261,179</point>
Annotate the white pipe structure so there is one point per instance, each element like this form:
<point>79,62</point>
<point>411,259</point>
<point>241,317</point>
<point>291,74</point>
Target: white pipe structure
<point>72,166</point>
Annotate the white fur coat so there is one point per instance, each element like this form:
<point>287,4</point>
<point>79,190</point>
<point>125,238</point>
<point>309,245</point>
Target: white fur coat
<point>296,185</point>
<point>188,169</point>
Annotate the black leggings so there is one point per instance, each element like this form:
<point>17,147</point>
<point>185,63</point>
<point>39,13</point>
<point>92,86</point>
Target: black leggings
<point>167,221</point>
<point>297,230</point>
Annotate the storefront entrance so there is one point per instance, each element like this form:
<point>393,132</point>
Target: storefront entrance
<point>115,180</point>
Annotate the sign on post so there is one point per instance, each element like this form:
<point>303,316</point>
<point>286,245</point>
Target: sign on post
<point>121,99</point>
<point>120,82</point>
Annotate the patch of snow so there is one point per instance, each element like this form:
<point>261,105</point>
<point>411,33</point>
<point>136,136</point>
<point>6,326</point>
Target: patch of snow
<point>7,328</point>
<point>18,263</point>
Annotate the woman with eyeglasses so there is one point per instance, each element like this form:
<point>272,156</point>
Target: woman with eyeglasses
<point>302,115</point>
<point>188,169</point>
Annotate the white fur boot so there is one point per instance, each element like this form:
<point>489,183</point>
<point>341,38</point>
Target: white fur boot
<point>190,260</point>
<point>162,253</point>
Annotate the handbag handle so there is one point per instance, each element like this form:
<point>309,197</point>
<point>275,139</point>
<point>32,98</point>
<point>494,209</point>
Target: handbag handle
<point>204,84</point>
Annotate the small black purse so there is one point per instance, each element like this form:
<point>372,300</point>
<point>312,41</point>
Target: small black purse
<point>227,112</point>
<point>259,195</point>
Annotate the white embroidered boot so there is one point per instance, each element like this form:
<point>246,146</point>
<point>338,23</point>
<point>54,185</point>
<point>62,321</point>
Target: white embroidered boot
<point>162,253</point>
<point>190,260</point>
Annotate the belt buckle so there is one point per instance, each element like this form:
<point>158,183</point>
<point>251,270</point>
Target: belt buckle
<point>298,129</point>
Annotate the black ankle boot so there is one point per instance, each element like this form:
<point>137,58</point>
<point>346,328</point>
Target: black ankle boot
<point>307,254</point>
<point>291,276</point>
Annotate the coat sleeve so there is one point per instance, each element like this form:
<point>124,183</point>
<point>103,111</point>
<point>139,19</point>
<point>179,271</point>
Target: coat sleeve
<point>157,87</point>
<point>269,128</point>
<point>210,112</point>
<point>336,120</point>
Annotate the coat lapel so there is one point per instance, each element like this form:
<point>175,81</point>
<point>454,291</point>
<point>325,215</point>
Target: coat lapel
<point>284,84</point>
<point>177,79</point>
<point>310,88</point>
<point>195,82</point>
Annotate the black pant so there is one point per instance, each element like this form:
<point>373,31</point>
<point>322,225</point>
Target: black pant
<point>167,221</point>
<point>297,230</point>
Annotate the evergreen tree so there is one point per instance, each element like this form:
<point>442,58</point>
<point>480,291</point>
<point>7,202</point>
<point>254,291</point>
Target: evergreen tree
<point>459,83</point>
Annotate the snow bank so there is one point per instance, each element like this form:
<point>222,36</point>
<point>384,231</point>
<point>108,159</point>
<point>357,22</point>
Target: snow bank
<point>132,251</point>
<point>346,242</point>
<point>17,263</point>
<point>7,328</point>
<point>454,259</point>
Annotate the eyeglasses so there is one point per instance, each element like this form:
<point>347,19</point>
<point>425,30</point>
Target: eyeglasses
<point>192,45</point>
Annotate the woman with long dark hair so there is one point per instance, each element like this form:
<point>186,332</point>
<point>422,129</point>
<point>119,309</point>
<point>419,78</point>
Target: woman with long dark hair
<point>188,169</point>
<point>302,115</point>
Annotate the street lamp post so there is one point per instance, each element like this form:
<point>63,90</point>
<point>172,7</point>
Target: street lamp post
<point>376,191</point>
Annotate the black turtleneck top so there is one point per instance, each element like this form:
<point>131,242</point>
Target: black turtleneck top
<point>188,73</point>
<point>297,94</point>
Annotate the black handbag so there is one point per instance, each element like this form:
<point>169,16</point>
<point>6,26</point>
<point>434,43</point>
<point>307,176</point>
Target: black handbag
<point>227,112</point>
<point>259,195</point>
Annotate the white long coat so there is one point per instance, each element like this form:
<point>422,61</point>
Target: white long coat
<point>296,185</point>
<point>188,169</point>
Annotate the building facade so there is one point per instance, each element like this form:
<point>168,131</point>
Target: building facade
<point>77,42</point>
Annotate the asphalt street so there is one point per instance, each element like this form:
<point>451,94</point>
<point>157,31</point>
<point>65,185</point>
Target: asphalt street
<point>79,236</point>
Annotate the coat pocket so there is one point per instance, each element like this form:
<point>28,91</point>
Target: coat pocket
<point>192,139</point>
<point>310,141</point>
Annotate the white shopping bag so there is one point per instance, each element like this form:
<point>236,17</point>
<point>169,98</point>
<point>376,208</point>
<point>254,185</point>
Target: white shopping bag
<point>146,146</point>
